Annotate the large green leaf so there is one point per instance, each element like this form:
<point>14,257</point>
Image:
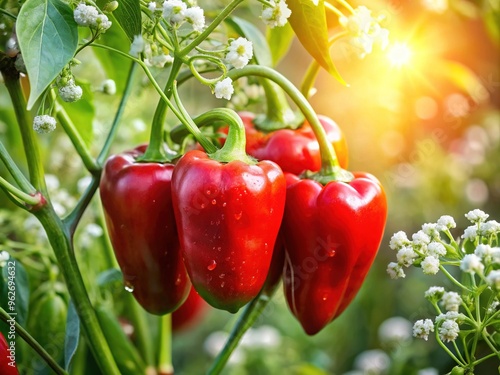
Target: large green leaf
<point>309,23</point>
<point>72,337</point>
<point>279,40</point>
<point>128,15</point>
<point>48,38</point>
<point>14,290</point>
<point>261,51</point>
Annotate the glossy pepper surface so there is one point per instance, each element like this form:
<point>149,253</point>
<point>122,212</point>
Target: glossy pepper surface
<point>332,234</point>
<point>7,359</point>
<point>137,203</point>
<point>228,216</point>
<point>295,151</point>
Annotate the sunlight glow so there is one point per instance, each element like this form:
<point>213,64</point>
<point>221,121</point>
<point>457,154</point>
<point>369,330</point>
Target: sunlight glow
<point>399,54</point>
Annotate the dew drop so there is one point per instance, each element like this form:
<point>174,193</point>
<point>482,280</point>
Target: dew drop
<point>178,281</point>
<point>331,252</point>
<point>214,201</point>
<point>222,284</point>
<point>224,204</point>
<point>209,192</point>
<point>212,265</point>
<point>219,248</point>
<point>222,275</point>
<point>324,297</point>
<point>202,205</point>
<point>237,216</point>
<point>129,287</point>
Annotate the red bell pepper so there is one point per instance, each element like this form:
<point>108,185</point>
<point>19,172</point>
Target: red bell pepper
<point>228,216</point>
<point>7,358</point>
<point>332,234</point>
<point>137,201</point>
<point>295,151</point>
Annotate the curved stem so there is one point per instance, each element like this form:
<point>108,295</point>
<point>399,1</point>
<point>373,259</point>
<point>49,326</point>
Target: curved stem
<point>14,170</point>
<point>165,366</point>
<point>71,221</point>
<point>75,137</point>
<point>31,200</point>
<point>155,151</point>
<point>59,238</point>
<point>31,147</point>
<point>453,280</point>
<point>206,33</point>
<point>245,321</point>
<point>4,315</point>
<point>329,162</point>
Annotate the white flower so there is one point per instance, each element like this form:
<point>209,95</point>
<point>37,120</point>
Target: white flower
<point>451,301</point>
<point>476,216</point>
<point>484,252</point>
<point>372,362</point>
<point>173,11</point>
<point>160,60</point>
<point>85,15</point>
<point>449,330</point>
<point>489,228</point>
<point>436,249</point>
<point>398,240</point>
<point>196,18</point>
<point>450,315</point>
<point>471,263</point>
<point>359,22</point>
<point>446,222</point>
<point>395,270</point>
<point>430,229</point>
<point>493,307</point>
<point>495,255</point>
<point>4,257</point>
<point>70,92</point>
<point>395,330</point>
<point>434,292</point>
<point>422,328</point>
<point>277,15</point>
<point>152,6</point>
<point>108,87</point>
<point>436,6</point>
<point>420,238</point>
<point>44,124</point>
<point>239,53</point>
<point>493,279</point>
<point>430,265</point>
<point>137,46</point>
<point>102,22</point>
<point>470,233</point>
<point>224,89</point>
<point>406,256</point>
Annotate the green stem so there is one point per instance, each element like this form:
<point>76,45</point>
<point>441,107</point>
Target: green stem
<point>118,116</point>
<point>165,366</point>
<point>453,280</point>
<point>8,14</point>
<point>30,200</point>
<point>71,221</point>
<point>245,321</point>
<point>31,147</point>
<point>330,168</point>
<point>14,170</point>
<point>75,137</point>
<point>141,330</point>
<point>438,339</point>
<point>34,344</point>
<point>206,33</point>
<point>155,151</point>
<point>59,238</point>
<point>188,122</point>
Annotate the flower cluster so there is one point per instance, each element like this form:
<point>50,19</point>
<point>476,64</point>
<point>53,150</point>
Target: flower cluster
<point>44,124</point>
<point>276,13</point>
<point>89,16</point>
<point>70,92</point>
<point>176,13</point>
<point>364,31</point>
<point>239,53</point>
<point>477,255</point>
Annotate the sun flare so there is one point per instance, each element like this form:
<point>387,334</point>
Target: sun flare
<point>399,54</point>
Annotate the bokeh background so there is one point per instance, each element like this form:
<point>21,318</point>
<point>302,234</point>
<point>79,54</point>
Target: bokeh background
<point>422,115</point>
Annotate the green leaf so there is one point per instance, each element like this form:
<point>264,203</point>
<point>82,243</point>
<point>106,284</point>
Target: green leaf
<point>280,40</point>
<point>109,276</point>
<point>261,51</point>
<point>309,24</point>
<point>72,336</point>
<point>48,38</point>
<point>128,15</point>
<point>82,112</point>
<point>14,290</point>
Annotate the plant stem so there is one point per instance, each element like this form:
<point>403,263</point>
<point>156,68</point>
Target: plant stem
<point>165,348</point>
<point>31,200</point>
<point>59,238</point>
<point>31,147</point>
<point>34,344</point>
<point>71,221</point>
<point>138,319</point>
<point>16,173</point>
<point>75,137</point>
<point>245,321</point>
